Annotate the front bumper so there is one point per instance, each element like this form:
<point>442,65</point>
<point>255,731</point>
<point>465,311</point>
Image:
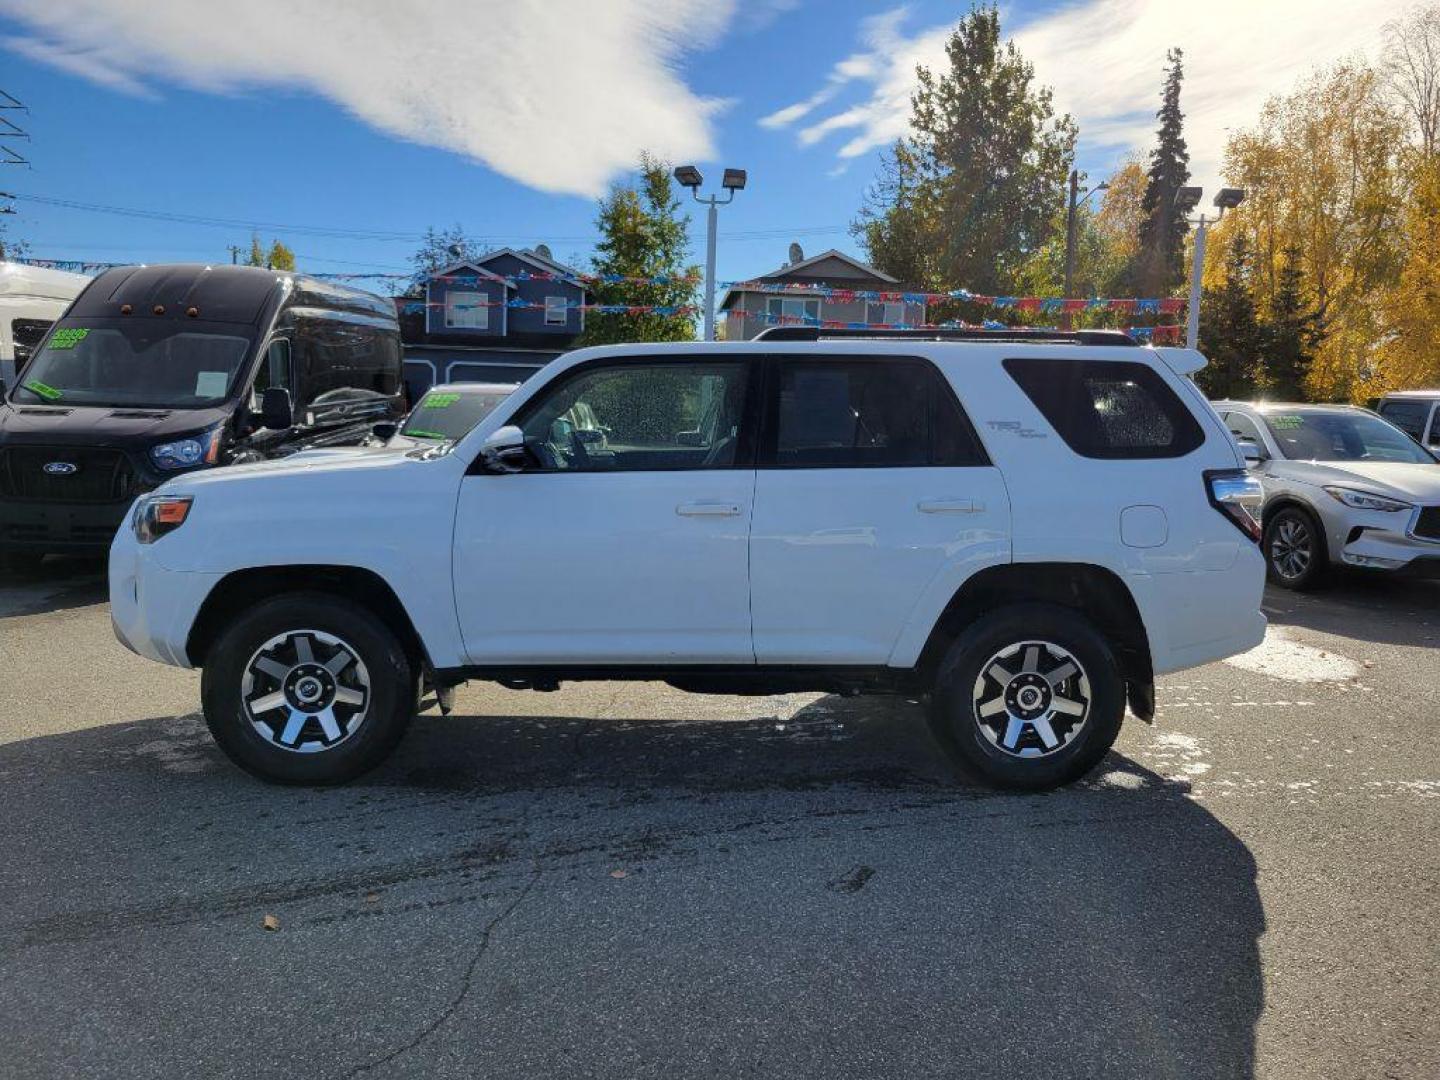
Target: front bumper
<point>1372,540</point>
<point>152,608</point>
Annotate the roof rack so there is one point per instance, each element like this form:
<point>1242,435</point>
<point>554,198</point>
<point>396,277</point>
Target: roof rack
<point>1019,333</point>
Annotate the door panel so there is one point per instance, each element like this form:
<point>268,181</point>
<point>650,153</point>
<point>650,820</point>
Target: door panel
<point>840,557</point>
<point>604,567</point>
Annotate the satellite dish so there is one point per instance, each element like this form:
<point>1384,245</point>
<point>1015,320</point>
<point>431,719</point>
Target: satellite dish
<point>797,254</point>
<point>543,250</point>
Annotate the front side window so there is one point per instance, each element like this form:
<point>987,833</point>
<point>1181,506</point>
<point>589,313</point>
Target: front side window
<point>637,417</point>
<point>556,311</point>
<point>1244,429</point>
<point>135,362</point>
<point>860,413</point>
<point>27,334</point>
<point>1341,435</point>
<point>467,311</point>
<point>1110,409</point>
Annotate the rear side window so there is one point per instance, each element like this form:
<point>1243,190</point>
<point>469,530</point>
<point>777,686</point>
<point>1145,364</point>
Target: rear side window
<point>866,413</point>
<point>1109,408</point>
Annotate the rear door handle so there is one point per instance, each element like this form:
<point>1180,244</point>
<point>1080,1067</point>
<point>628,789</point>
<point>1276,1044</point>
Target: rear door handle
<point>949,506</point>
<point>708,509</point>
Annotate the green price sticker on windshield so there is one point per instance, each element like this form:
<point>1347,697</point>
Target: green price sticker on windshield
<point>67,337</point>
<point>439,401</point>
<point>1286,423</point>
<point>39,389</point>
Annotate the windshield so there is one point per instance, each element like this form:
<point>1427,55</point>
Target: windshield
<point>148,363</point>
<point>448,414</point>
<point>1323,435</point>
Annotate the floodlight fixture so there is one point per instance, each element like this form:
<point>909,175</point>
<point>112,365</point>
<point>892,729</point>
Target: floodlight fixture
<point>1229,198</point>
<point>689,176</point>
<point>1187,198</point>
<point>734,180</point>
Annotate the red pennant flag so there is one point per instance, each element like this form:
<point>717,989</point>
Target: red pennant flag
<point>1028,303</point>
<point>1074,305</point>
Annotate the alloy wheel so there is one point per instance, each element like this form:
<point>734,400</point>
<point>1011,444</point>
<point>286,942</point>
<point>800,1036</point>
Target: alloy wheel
<point>305,691</point>
<point>1291,548</point>
<point>1031,699</point>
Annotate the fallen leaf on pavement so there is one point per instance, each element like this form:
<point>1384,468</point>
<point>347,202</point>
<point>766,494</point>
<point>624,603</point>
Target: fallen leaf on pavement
<point>617,873</point>
<point>270,922</point>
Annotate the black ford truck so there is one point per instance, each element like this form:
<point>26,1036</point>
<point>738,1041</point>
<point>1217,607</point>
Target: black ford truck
<point>156,370</point>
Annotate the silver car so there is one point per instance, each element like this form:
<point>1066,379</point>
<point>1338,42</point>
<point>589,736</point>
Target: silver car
<point>1342,487</point>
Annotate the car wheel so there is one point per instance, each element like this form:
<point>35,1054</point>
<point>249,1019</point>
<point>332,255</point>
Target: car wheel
<point>1295,555</point>
<point>308,688</point>
<point>1029,697</point>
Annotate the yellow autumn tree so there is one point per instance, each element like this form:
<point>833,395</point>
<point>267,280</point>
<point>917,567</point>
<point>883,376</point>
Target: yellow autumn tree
<point>1325,186</point>
<point>1410,345</point>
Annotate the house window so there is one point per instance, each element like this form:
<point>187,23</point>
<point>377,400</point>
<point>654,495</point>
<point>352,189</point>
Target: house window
<point>467,310</point>
<point>888,314</point>
<point>557,312</point>
<point>794,310</point>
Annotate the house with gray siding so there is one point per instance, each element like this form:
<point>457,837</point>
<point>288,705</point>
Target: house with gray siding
<point>790,296</point>
<point>498,317</point>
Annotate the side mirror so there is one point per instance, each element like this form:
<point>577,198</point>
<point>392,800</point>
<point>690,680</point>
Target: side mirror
<point>385,430</point>
<point>1252,452</point>
<point>276,411</point>
<point>504,450</point>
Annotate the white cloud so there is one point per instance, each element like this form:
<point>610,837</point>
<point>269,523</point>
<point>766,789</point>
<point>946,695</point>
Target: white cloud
<point>559,96</point>
<point>1104,59</point>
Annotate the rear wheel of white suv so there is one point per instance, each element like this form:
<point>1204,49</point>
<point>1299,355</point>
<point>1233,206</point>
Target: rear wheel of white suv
<point>308,688</point>
<point>1029,697</point>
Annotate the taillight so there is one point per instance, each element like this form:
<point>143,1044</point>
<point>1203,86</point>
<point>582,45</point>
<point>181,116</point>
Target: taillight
<point>1239,496</point>
<point>156,515</point>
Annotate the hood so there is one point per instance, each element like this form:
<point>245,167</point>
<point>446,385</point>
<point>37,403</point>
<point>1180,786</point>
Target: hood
<point>337,465</point>
<point>86,425</point>
<point>1419,484</point>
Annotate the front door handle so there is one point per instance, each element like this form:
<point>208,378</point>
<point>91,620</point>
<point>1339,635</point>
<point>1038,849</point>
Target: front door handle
<point>708,509</point>
<point>949,506</point>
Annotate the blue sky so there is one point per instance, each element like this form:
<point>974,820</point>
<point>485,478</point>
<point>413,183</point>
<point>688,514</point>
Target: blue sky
<point>356,115</point>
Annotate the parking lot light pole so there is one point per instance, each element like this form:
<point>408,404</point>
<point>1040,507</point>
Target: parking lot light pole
<point>733,181</point>
<point>1076,200</point>
<point>1187,198</point>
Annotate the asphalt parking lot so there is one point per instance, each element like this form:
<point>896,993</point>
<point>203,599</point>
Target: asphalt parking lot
<point>619,880</point>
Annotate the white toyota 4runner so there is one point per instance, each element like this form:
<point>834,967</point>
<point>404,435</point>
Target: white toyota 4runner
<point>1026,529</point>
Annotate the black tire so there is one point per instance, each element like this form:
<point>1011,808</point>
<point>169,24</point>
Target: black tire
<point>388,699</point>
<point>1284,529</point>
<point>1030,764</point>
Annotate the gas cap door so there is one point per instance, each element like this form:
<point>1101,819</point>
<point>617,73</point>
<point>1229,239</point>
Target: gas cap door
<point>1144,526</point>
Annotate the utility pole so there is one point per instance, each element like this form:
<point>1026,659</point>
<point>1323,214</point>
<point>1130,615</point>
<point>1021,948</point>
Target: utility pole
<point>1071,224</point>
<point>234,254</point>
<point>8,156</point>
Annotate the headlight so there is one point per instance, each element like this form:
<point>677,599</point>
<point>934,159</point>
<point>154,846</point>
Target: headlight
<point>184,453</point>
<point>156,515</point>
<point>1365,500</point>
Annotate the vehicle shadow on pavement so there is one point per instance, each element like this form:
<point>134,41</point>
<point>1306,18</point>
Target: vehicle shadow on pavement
<point>1363,606</point>
<point>802,896</point>
<point>58,584</point>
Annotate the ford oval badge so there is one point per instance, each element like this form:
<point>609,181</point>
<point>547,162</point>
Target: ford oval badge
<point>61,468</point>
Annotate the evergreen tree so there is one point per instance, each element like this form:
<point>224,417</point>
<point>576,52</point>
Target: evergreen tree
<point>1231,336</point>
<point>1291,333</point>
<point>643,234</point>
<point>1160,264</point>
<point>257,253</point>
<point>973,193</point>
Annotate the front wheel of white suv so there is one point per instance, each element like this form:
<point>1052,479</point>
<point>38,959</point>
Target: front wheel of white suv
<point>1029,697</point>
<point>308,688</point>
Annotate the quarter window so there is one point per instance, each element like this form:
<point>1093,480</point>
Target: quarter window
<point>637,417</point>
<point>467,310</point>
<point>863,413</point>
<point>1109,408</point>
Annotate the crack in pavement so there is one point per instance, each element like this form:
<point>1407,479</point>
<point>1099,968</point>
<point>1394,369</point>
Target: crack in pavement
<point>466,982</point>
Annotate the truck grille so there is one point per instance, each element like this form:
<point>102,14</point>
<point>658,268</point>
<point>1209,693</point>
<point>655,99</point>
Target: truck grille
<point>1428,523</point>
<point>99,476</point>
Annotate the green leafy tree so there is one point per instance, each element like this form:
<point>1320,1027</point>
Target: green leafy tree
<point>257,252</point>
<point>1292,333</point>
<point>1160,262</point>
<point>642,234</point>
<point>1231,337</point>
<point>438,250</point>
<point>974,191</point>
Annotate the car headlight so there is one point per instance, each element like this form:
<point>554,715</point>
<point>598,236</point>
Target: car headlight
<point>156,515</point>
<point>202,449</point>
<point>1365,500</point>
